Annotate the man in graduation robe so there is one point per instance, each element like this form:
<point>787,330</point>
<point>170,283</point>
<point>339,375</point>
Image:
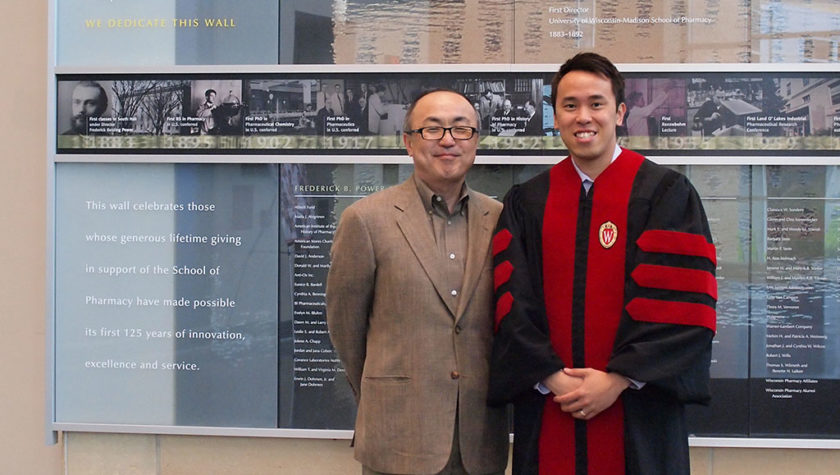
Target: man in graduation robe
<point>605,296</point>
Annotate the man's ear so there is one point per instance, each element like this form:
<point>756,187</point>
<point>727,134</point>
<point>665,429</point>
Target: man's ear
<point>622,109</point>
<point>407,143</point>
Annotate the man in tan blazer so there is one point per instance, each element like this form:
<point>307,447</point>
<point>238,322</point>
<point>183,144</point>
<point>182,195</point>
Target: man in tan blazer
<point>410,306</point>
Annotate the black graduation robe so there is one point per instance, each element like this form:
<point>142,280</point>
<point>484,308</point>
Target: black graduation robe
<point>620,280</point>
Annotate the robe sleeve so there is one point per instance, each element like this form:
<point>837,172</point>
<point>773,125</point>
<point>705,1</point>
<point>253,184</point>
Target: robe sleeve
<point>522,352</point>
<point>665,337</point>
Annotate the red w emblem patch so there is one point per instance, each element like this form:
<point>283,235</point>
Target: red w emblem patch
<point>608,234</point>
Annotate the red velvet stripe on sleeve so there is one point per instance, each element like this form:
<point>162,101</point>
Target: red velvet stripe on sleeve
<point>501,274</point>
<point>675,242</point>
<point>668,311</point>
<point>501,241</point>
<point>503,306</point>
<point>675,278</point>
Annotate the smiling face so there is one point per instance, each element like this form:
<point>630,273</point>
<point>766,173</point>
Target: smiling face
<point>441,164</point>
<point>586,115</point>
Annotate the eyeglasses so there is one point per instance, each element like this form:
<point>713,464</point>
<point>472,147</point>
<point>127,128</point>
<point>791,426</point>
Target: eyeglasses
<point>436,133</point>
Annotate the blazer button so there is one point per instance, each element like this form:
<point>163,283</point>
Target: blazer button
<point>457,329</point>
<point>455,375</point>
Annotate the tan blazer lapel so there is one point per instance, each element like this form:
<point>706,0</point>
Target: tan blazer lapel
<point>480,230</point>
<point>415,227</point>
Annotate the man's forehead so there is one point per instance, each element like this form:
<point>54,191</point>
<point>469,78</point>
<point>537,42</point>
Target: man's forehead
<point>437,119</point>
<point>585,84</point>
<point>440,96</point>
<point>433,102</point>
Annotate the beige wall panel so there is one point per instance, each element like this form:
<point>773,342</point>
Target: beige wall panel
<point>126,454</point>
<point>775,462</point>
<point>255,456</point>
<point>23,241</point>
<point>700,459</point>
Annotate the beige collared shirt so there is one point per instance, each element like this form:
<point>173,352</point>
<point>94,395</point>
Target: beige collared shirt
<point>450,233</point>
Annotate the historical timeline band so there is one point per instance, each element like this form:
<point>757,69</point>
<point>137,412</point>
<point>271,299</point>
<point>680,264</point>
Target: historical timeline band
<point>204,285</point>
<point>674,113</point>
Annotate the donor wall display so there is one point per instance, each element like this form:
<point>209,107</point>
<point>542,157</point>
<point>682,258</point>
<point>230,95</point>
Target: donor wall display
<point>194,202</point>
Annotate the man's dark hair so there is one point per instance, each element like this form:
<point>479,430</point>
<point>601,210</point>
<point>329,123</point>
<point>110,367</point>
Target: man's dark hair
<point>593,63</point>
<point>423,94</point>
<point>209,91</point>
